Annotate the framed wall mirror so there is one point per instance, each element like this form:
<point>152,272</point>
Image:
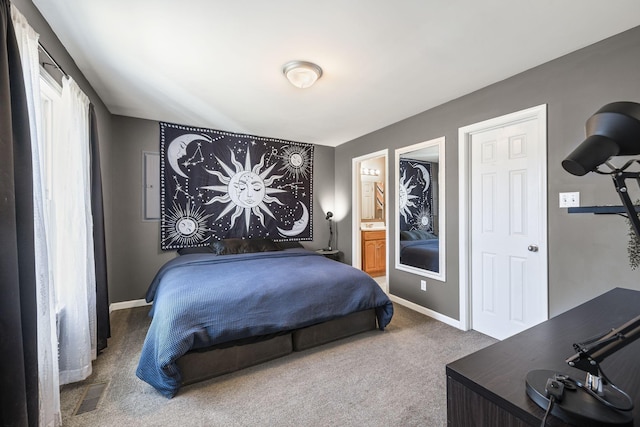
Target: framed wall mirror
<point>420,214</point>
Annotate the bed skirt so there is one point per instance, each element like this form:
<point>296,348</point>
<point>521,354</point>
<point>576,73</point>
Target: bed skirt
<point>201,365</point>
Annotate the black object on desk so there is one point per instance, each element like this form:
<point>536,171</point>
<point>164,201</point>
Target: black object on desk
<point>577,406</point>
<point>488,387</point>
<point>594,400</point>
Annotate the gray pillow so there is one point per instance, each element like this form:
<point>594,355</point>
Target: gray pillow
<point>243,246</point>
<point>417,235</point>
<point>197,250</point>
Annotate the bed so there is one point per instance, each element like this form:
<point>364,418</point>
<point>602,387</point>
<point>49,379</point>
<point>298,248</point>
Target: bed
<point>420,249</point>
<point>215,313</point>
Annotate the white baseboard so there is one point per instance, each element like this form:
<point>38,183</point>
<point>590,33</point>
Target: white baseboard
<point>127,304</point>
<point>420,309</point>
<point>428,312</point>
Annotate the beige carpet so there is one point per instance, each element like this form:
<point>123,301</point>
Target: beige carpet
<point>390,378</point>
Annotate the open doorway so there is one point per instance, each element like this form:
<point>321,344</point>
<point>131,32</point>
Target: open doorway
<point>370,233</point>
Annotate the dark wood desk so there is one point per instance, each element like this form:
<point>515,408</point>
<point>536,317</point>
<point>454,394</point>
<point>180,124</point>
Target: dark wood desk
<point>487,388</point>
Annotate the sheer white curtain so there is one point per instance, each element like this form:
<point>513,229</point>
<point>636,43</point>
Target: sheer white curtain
<point>48,380</point>
<point>74,270</point>
<point>65,267</point>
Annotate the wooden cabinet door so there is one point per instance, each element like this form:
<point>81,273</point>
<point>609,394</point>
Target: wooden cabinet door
<point>369,256</point>
<point>381,258</point>
<point>374,256</point>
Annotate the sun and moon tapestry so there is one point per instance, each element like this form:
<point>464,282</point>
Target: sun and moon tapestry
<point>217,185</point>
<point>415,195</point>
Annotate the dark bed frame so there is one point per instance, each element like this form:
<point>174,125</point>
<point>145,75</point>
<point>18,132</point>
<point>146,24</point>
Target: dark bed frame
<point>200,365</point>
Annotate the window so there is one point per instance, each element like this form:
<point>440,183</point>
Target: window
<point>63,130</point>
<point>50,105</point>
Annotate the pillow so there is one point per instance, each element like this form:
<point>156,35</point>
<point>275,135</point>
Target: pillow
<point>417,235</point>
<point>289,245</point>
<point>406,235</point>
<point>198,250</point>
<point>243,246</point>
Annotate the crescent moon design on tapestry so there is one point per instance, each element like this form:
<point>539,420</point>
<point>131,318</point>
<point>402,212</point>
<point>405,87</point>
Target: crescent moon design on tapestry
<point>178,149</point>
<point>299,225</point>
<point>425,176</point>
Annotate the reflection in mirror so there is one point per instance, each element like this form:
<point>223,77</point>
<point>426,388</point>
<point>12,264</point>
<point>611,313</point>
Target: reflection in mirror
<point>420,239</point>
<point>372,174</point>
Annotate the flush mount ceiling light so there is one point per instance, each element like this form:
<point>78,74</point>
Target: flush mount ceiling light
<point>302,74</point>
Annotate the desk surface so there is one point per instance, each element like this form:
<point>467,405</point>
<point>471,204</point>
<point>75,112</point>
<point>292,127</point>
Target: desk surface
<point>498,372</point>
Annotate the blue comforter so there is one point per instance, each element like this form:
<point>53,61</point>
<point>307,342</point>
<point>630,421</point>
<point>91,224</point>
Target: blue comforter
<point>421,254</point>
<point>201,300</point>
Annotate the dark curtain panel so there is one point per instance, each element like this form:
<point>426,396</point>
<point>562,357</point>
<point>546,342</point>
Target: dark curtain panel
<point>18,339</point>
<point>100,251</point>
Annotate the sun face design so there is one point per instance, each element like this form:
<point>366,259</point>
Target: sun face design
<point>296,160</point>
<point>405,198</point>
<point>184,227</point>
<point>423,220</point>
<point>246,189</point>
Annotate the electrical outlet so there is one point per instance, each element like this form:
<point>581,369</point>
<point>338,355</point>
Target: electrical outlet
<point>423,285</point>
<point>570,200</point>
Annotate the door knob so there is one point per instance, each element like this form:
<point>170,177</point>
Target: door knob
<point>532,248</point>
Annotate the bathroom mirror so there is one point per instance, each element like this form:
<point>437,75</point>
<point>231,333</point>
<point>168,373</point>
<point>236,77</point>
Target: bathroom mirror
<point>372,177</point>
<point>420,217</point>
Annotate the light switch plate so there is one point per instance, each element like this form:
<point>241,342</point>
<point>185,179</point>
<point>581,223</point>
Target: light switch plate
<point>570,200</point>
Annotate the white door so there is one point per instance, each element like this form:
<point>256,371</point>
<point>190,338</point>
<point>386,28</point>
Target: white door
<point>367,200</point>
<point>508,228</point>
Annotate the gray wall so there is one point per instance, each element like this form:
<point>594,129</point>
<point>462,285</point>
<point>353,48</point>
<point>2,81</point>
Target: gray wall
<point>137,254</point>
<point>587,253</point>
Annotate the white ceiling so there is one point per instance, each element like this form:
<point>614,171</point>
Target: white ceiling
<point>218,64</point>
